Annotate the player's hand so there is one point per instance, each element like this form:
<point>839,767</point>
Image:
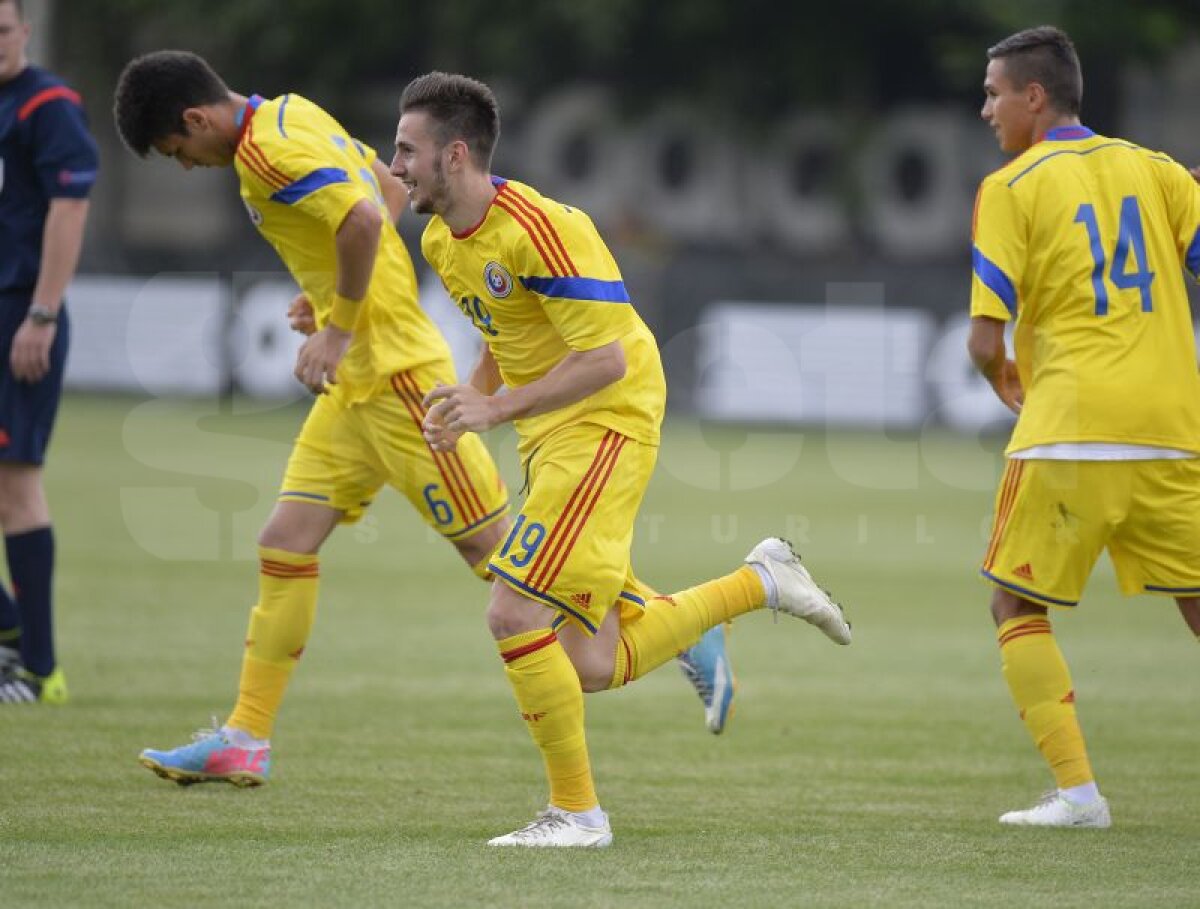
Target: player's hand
<point>437,435</point>
<point>1007,385</point>
<point>457,409</point>
<point>319,356</point>
<point>300,316</point>
<point>29,357</point>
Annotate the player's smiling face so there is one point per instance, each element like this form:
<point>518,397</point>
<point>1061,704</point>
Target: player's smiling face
<point>14,35</point>
<point>418,163</point>
<point>1007,109</point>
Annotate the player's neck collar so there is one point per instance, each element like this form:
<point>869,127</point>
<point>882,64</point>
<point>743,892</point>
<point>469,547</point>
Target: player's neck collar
<point>246,114</point>
<point>1068,133</point>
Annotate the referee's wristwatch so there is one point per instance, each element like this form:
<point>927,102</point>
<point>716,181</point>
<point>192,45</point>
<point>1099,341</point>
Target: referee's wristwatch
<point>42,315</point>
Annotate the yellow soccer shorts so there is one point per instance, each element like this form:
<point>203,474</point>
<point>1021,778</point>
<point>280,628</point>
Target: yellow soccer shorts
<point>346,453</point>
<point>569,547</point>
<point>1054,518</point>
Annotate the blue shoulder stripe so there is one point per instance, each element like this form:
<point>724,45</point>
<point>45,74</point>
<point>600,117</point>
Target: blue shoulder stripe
<point>994,279</point>
<point>309,184</point>
<point>1193,256</point>
<point>578,289</point>
<point>282,108</point>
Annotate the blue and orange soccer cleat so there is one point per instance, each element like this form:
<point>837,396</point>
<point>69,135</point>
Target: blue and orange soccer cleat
<point>706,666</point>
<point>211,757</point>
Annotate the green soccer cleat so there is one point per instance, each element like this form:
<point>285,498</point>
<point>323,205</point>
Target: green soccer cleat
<point>23,687</point>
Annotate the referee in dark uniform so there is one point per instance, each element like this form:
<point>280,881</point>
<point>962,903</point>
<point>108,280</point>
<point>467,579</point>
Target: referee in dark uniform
<point>48,164</point>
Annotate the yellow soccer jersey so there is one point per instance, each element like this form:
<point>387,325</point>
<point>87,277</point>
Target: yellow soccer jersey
<point>300,175</point>
<point>537,281</point>
<point>1081,240</point>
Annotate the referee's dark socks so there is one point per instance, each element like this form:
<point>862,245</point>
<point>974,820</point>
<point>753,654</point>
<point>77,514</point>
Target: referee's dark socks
<point>31,564</point>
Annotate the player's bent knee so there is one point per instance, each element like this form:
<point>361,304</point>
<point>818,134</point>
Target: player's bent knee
<point>593,679</point>
<point>512,613</point>
<point>298,527</point>
<point>476,548</point>
<point>1007,605</point>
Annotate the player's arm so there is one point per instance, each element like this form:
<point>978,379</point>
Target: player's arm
<point>988,352</point>
<point>485,377</point>
<point>66,161</point>
<point>62,238</point>
<point>395,195</point>
<point>356,241</point>
<point>455,409</point>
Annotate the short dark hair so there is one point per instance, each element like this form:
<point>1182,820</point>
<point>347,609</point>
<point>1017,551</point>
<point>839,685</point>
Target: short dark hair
<point>1044,55</point>
<point>462,107</point>
<point>153,92</point>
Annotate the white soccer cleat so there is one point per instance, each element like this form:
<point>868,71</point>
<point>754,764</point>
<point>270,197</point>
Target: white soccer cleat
<point>1055,811</point>
<point>799,594</point>
<point>557,828</point>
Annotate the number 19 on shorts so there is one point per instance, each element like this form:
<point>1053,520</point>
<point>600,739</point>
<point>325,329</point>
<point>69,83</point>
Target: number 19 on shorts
<point>523,542</point>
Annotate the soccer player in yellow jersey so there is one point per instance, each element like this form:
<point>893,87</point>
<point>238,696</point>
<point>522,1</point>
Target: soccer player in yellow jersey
<point>1079,241</point>
<point>327,205</point>
<point>585,391</point>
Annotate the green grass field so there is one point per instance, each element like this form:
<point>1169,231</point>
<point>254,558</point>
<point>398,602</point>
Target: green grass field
<point>868,775</point>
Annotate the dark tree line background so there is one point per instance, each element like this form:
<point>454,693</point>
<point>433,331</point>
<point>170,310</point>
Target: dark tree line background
<point>748,57</point>
<point>748,63</point>
<point>745,64</point>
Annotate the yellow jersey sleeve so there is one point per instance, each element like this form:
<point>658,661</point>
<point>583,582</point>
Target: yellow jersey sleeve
<point>571,273</point>
<point>997,252</point>
<point>300,173</point>
<point>1182,194</point>
<point>307,164</point>
<point>319,190</point>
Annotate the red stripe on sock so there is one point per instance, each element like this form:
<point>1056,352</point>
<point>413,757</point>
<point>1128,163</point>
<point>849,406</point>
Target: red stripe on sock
<point>525,649</point>
<point>1023,631</point>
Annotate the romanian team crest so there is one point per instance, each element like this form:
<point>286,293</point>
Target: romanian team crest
<point>255,215</point>
<point>499,281</point>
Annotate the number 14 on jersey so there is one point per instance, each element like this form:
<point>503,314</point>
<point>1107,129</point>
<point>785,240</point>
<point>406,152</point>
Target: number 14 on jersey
<point>1131,243</point>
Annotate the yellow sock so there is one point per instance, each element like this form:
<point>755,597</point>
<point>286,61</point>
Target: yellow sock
<point>671,624</point>
<point>551,703</point>
<point>279,627</point>
<point>1040,683</point>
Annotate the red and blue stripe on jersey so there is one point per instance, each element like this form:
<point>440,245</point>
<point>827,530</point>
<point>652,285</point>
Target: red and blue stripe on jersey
<point>564,280</point>
<point>285,190</point>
